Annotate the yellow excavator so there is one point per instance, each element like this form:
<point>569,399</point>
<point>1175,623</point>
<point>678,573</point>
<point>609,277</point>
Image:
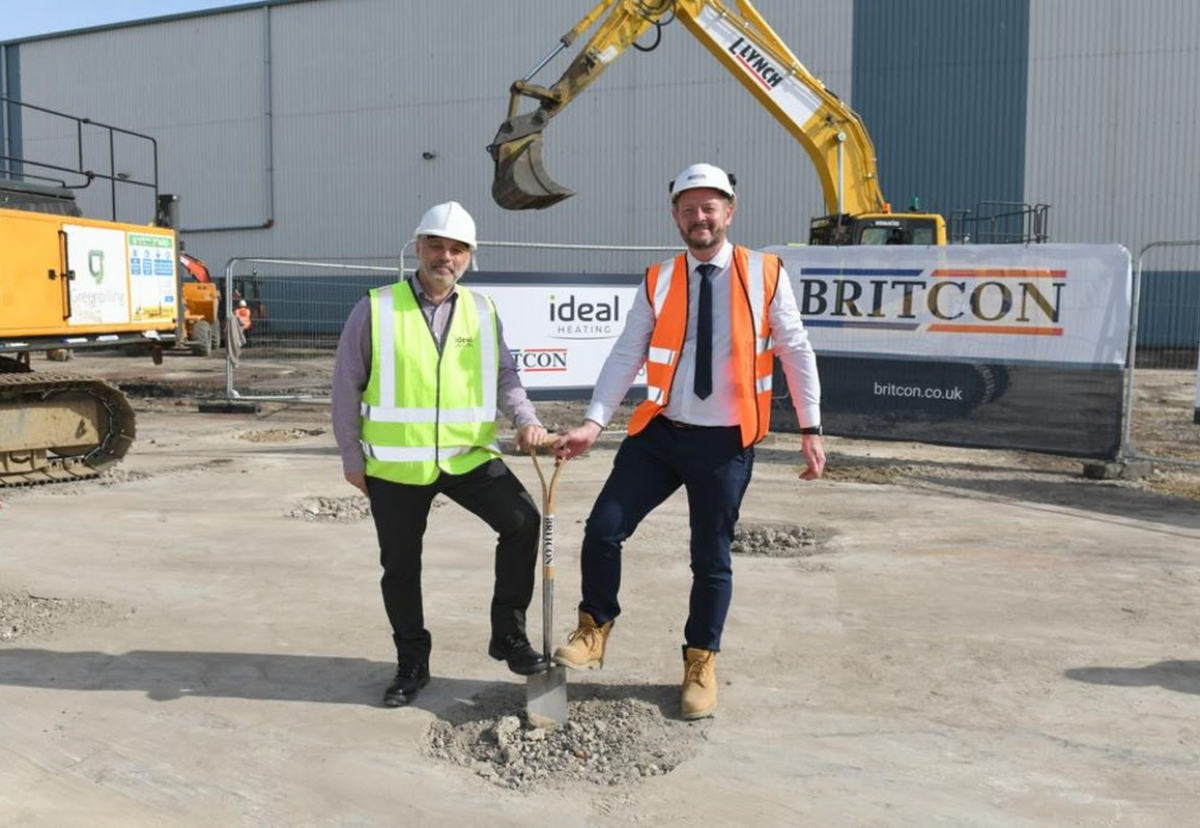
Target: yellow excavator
<point>830,131</point>
<point>69,282</point>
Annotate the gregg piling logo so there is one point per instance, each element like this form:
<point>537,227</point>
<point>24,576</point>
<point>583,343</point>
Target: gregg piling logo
<point>96,265</point>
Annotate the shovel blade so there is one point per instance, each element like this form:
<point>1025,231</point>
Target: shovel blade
<point>546,697</point>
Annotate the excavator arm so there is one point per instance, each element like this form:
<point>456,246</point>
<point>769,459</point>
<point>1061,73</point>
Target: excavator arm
<point>830,131</point>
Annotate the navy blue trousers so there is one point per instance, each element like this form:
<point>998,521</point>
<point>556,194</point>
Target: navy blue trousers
<point>715,470</point>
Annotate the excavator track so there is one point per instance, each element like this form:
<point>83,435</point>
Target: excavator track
<point>56,427</point>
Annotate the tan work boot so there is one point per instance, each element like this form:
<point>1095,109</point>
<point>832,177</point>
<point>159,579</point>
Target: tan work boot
<point>585,647</point>
<point>699,683</point>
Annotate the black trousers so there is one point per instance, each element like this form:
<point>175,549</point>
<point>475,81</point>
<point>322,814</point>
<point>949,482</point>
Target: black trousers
<point>401,512</point>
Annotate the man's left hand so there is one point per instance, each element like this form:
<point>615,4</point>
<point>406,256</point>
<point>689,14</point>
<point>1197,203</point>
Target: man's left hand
<point>530,437</point>
<point>814,456</point>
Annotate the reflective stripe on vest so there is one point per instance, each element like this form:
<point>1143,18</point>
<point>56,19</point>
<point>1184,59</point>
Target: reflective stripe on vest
<point>662,357</point>
<point>428,411</point>
<point>755,277</point>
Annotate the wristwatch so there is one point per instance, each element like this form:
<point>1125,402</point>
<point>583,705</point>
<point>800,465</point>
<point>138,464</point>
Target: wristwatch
<point>812,430</point>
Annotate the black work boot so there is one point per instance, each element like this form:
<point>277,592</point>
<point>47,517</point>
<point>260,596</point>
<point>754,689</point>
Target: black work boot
<point>410,677</point>
<point>519,653</point>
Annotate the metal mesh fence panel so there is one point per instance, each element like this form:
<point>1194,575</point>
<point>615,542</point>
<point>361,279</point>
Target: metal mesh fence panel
<point>1162,401</point>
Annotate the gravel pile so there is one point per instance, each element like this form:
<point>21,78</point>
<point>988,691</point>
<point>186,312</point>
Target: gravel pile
<point>332,509</point>
<point>29,616</point>
<point>776,541</point>
<point>340,509</point>
<point>618,740</point>
<point>279,435</point>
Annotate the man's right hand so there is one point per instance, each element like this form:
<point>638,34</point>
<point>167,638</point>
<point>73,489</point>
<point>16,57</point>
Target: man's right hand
<point>358,480</point>
<point>577,440</point>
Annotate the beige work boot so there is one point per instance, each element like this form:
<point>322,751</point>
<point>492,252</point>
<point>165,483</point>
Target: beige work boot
<point>585,647</point>
<point>699,683</point>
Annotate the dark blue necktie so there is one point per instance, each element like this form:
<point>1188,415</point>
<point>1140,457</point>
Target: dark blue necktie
<point>703,384</point>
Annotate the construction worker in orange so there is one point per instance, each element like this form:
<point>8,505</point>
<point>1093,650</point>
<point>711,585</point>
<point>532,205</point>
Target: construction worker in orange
<point>243,316</point>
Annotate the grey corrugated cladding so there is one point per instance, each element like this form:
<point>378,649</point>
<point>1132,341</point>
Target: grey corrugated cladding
<point>941,87</point>
<point>316,116</point>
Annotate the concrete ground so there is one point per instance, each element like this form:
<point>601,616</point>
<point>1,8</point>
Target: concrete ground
<point>983,639</point>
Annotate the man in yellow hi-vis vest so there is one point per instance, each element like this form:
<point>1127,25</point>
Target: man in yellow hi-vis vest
<point>421,370</point>
<point>706,325</point>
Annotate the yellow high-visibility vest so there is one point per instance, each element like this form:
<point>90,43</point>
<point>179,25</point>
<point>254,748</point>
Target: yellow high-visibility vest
<point>425,411</point>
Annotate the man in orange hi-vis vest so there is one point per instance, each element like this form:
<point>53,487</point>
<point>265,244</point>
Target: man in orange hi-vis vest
<point>706,325</point>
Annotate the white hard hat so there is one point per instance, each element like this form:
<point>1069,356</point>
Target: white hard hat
<point>241,303</point>
<point>450,221</point>
<point>703,175</point>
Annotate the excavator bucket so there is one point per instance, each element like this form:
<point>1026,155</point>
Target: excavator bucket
<point>521,181</point>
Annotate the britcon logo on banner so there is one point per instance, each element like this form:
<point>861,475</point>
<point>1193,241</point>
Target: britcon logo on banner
<point>1043,303</point>
<point>541,360</point>
<point>1012,300</point>
<point>574,318</point>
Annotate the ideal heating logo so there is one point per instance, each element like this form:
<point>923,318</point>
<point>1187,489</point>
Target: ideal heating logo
<point>572,318</point>
<point>997,300</point>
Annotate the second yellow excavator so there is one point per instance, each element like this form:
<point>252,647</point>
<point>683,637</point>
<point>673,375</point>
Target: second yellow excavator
<point>830,131</point>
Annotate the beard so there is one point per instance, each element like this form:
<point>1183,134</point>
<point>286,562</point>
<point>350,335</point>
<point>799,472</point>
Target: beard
<point>715,237</point>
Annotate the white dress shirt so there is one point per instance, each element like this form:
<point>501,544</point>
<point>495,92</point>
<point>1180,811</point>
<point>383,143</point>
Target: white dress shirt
<point>720,408</point>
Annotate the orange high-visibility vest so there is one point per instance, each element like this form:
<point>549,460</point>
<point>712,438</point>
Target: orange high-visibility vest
<point>244,315</point>
<point>755,278</point>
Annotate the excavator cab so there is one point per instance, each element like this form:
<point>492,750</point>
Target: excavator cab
<point>878,228</point>
<point>521,181</point>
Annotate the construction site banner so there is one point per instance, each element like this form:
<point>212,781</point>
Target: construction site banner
<point>560,327</point>
<point>995,346</point>
<point>1000,346</point>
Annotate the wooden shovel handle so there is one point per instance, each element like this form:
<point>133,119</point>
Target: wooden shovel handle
<point>547,489</point>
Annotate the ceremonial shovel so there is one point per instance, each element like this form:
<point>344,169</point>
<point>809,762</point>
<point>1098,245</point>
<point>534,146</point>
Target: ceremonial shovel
<point>546,693</point>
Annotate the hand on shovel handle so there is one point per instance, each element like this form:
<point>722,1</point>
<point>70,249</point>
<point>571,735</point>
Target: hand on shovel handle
<point>531,436</point>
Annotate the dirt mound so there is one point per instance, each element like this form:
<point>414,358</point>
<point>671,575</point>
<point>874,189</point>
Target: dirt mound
<point>332,509</point>
<point>614,736</point>
<point>279,435</point>
<point>25,616</point>
<point>778,540</point>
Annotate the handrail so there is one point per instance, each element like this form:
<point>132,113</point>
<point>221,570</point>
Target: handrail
<point>13,166</point>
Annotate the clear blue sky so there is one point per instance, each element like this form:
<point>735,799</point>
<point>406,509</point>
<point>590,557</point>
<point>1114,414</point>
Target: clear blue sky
<point>27,18</point>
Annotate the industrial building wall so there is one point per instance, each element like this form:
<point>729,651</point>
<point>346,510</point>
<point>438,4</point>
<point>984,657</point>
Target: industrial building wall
<point>942,89</point>
<point>323,128</point>
<point>316,116</point>
<point>1113,132</point>
<point>1113,138</point>
<point>194,84</point>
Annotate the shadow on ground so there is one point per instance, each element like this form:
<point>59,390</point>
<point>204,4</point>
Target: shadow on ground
<point>1180,676</point>
<point>168,676</point>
